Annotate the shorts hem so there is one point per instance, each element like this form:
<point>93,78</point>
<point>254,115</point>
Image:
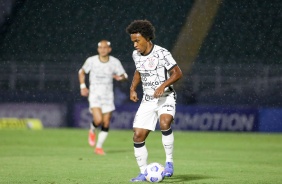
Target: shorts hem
<point>151,129</point>
<point>104,112</point>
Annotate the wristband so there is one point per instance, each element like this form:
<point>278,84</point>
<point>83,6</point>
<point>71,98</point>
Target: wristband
<point>82,86</point>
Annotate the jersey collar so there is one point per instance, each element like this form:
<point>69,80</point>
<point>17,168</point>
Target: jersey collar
<point>150,51</point>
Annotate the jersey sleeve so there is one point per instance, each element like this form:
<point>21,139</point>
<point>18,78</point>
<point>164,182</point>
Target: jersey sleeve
<point>119,70</point>
<point>134,57</point>
<point>169,60</point>
<point>87,66</point>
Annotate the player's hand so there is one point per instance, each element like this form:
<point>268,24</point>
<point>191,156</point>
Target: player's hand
<point>117,77</point>
<point>84,92</point>
<point>133,96</point>
<point>159,92</point>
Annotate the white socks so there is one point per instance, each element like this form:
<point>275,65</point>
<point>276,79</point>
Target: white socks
<point>168,140</point>
<point>101,139</point>
<point>92,128</point>
<point>141,152</point>
<point>102,136</point>
<point>141,155</point>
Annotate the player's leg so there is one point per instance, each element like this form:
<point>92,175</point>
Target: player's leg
<point>168,142</point>
<point>166,116</point>
<point>167,135</point>
<point>97,120</point>
<point>106,118</point>
<point>97,116</point>
<point>140,152</point>
<point>144,122</point>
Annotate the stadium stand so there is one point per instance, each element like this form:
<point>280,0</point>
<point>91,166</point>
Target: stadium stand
<point>48,42</point>
<point>245,32</point>
<point>239,62</point>
<point>69,30</point>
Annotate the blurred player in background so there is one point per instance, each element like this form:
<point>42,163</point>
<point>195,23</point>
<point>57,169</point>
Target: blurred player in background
<point>158,71</point>
<point>102,68</point>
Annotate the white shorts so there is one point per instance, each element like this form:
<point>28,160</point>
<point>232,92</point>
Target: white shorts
<point>105,103</point>
<point>149,112</point>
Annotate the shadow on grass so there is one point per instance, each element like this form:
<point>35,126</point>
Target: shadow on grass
<point>185,178</point>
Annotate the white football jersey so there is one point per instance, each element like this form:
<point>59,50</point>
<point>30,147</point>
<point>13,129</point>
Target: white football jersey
<point>101,74</point>
<point>154,70</point>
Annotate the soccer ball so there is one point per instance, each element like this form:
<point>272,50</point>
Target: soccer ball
<point>154,172</point>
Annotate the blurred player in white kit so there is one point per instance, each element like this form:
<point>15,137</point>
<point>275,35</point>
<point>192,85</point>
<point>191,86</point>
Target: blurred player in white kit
<point>102,69</point>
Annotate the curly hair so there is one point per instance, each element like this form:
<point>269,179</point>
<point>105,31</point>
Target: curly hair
<point>144,27</point>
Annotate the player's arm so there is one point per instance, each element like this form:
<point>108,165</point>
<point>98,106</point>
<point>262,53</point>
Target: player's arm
<point>175,75</point>
<point>83,89</point>
<point>135,81</point>
<point>122,77</point>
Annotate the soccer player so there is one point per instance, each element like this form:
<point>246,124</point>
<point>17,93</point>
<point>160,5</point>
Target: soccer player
<point>158,71</point>
<point>102,68</point>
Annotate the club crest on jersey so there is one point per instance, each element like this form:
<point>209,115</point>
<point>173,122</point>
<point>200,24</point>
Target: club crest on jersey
<point>152,62</point>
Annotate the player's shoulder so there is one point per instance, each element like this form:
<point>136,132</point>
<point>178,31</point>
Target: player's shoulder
<point>135,53</point>
<point>158,48</point>
<point>160,51</point>
<point>93,58</point>
<point>113,59</point>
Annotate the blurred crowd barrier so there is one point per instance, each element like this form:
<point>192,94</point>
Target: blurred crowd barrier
<point>228,84</point>
<point>241,97</point>
<point>197,118</point>
<point>50,114</point>
<point>187,118</point>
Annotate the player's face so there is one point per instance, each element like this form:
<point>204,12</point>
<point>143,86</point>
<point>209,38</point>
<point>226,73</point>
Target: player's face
<point>104,49</point>
<point>140,43</point>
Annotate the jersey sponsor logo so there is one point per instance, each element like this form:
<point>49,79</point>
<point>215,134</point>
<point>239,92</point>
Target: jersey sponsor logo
<point>100,77</point>
<point>148,97</point>
<point>151,83</point>
<point>144,74</point>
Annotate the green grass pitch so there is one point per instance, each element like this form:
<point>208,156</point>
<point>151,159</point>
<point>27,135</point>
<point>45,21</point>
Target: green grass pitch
<point>62,156</point>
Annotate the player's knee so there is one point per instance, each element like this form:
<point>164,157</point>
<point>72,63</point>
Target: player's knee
<point>94,124</point>
<point>165,124</point>
<point>138,137</point>
<point>98,122</point>
<point>165,121</point>
<point>106,124</point>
